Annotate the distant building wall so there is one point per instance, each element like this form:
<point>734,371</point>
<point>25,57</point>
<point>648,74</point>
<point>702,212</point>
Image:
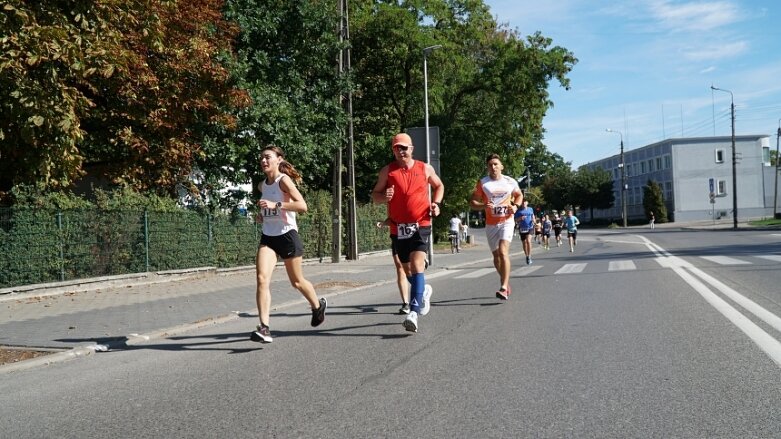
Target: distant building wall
<point>683,168</point>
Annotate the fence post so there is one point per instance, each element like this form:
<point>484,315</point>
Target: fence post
<point>62,245</point>
<point>146,240</point>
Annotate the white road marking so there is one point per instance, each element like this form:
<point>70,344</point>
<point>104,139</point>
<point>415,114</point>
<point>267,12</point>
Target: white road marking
<point>525,271</point>
<point>571,268</point>
<point>621,266</point>
<point>441,273</point>
<point>687,272</point>
<point>477,273</point>
<point>776,258</point>
<point>725,260</point>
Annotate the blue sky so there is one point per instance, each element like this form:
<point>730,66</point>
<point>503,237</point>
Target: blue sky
<point>646,66</point>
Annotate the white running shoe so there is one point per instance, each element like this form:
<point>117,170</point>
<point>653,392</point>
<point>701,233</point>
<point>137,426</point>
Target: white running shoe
<point>411,322</point>
<point>426,307</point>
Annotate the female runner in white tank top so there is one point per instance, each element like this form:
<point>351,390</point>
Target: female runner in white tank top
<point>279,203</point>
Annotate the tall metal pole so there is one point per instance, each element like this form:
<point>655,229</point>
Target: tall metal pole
<point>776,167</point>
<point>336,200</point>
<point>734,160</point>
<point>426,52</point>
<point>623,176</point>
<point>352,228</point>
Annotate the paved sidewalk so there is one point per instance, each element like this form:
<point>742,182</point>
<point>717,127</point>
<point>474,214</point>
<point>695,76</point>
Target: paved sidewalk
<point>106,316</point>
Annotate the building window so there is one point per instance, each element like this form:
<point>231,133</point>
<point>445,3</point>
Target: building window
<point>721,188</point>
<point>719,156</point>
<point>766,155</point>
<point>667,162</point>
<point>642,167</point>
<point>650,165</point>
<point>658,163</point>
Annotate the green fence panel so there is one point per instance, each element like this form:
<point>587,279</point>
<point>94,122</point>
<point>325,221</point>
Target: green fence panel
<point>45,245</point>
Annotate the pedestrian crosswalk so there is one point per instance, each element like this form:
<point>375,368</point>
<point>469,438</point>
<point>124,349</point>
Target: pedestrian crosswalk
<point>725,260</point>
<point>548,267</point>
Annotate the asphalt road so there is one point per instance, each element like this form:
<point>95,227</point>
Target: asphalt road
<point>670,333</point>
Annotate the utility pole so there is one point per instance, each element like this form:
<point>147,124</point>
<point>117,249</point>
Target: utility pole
<point>426,52</point>
<point>776,167</point>
<point>734,160</point>
<point>352,223</point>
<point>623,176</point>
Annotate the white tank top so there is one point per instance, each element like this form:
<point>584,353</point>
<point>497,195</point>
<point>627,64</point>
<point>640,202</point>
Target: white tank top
<point>276,221</point>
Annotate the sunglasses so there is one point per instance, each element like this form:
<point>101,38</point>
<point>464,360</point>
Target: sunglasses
<point>402,147</point>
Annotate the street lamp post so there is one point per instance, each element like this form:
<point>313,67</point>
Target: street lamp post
<point>734,160</point>
<point>775,186</point>
<point>623,175</point>
<point>426,52</point>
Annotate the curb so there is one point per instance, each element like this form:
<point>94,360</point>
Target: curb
<point>139,339</point>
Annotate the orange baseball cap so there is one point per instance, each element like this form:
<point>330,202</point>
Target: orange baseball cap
<point>402,139</point>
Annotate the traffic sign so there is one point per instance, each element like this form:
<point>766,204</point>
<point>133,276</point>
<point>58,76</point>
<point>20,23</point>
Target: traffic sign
<point>711,186</point>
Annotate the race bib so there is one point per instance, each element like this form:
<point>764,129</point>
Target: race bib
<point>270,212</point>
<point>406,230</point>
<point>501,211</point>
<point>523,230</point>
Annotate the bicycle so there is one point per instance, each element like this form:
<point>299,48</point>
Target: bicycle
<point>453,236</point>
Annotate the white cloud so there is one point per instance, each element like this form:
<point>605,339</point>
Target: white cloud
<point>708,70</point>
<point>715,52</point>
<point>694,16</point>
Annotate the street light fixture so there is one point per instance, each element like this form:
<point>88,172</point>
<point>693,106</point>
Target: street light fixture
<point>623,175</point>
<point>426,52</point>
<point>734,160</point>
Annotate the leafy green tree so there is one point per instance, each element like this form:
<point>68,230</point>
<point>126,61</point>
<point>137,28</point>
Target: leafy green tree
<point>653,201</point>
<point>127,86</point>
<point>487,86</point>
<point>557,188</point>
<point>593,189</point>
<point>287,52</point>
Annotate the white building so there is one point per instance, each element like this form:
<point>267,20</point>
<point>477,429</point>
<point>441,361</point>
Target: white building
<point>688,170</point>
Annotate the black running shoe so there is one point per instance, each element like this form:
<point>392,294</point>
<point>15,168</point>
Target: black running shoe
<point>318,315</point>
<point>262,334</point>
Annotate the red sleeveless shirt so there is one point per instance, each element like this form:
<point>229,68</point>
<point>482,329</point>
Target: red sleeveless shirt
<point>410,202</point>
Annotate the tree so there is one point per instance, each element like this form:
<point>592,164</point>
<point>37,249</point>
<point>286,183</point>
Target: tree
<point>127,86</point>
<point>487,86</point>
<point>557,188</point>
<point>653,201</point>
<point>593,189</point>
<point>287,53</point>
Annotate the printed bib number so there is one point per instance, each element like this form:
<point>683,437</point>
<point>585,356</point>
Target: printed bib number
<point>524,230</point>
<point>406,230</point>
<point>270,212</point>
<point>500,211</point>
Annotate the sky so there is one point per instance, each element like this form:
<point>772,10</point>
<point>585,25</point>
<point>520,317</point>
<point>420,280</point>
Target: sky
<point>645,68</point>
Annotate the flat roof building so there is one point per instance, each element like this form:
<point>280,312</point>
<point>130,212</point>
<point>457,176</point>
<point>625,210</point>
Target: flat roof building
<point>688,170</point>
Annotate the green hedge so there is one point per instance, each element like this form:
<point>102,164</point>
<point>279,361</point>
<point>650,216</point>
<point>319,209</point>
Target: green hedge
<point>39,245</point>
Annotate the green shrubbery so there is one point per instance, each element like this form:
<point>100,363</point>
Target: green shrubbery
<point>55,237</point>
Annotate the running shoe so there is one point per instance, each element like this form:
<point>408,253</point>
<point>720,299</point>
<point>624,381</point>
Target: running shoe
<point>261,334</point>
<point>426,307</point>
<point>411,322</point>
<point>502,294</point>
<point>318,315</point>
<point>528,260</point>
<point>404,309</point>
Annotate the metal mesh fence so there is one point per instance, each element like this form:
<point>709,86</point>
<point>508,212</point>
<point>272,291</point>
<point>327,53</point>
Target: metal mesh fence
<point>40,245</point>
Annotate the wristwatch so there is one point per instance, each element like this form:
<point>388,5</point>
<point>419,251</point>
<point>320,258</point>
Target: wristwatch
<point>279,204</point>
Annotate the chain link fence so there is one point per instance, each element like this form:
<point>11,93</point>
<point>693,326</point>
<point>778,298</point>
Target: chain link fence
<point>42,245</point>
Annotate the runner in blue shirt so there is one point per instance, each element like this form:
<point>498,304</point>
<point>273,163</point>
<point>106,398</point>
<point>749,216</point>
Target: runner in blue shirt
<point>571,223</point>
<point>525,219</point>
